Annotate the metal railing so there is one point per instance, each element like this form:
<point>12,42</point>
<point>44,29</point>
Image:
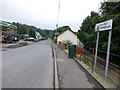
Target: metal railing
<point>113,71</point>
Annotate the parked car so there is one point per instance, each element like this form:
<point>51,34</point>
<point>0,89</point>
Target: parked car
<point>15,39</point>
<point>29,39</point>
<point>7,39</point>
<point>26,39</point>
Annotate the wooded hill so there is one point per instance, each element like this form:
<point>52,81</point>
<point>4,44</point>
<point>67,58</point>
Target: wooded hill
<point>27,29</point>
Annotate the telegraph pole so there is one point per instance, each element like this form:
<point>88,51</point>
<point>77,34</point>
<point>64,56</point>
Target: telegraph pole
<point>58,14</point>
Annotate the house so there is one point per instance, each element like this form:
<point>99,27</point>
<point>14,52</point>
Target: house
<point>68,34</point>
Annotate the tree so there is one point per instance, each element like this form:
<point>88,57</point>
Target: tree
<point>32,33</point>
<point>61,29</point>
<point>86,32</point>
<point>21,29</point>
<point>109,10</point>
<point>42,33</point>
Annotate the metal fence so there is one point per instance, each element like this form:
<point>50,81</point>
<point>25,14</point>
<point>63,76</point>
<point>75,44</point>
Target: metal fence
<point>113,71</point>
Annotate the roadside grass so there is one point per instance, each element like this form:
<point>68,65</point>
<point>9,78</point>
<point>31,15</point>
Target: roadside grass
<point>87,60</point>
<point>22,43</point>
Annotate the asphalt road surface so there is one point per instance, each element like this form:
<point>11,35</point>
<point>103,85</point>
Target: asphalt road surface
<point>28,67</point>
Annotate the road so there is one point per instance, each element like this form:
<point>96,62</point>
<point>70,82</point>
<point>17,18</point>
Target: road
<point>28,67</point>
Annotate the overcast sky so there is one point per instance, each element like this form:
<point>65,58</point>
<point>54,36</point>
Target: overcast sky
<point>43,13</point>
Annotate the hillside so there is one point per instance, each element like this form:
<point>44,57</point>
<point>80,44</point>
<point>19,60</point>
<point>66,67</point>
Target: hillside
<point>27,29</point>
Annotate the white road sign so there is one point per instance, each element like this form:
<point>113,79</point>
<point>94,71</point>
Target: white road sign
<point>103,26</point>
<point>107,25</point>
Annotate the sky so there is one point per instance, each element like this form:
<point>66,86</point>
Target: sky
<point>43,13</point>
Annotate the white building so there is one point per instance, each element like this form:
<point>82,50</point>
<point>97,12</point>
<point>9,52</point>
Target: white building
<point>68,34</point>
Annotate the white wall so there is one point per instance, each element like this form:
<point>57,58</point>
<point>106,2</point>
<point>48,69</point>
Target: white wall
<point>68,35</point>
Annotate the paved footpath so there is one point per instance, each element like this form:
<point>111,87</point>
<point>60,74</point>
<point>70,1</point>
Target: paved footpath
<point>72,75</point>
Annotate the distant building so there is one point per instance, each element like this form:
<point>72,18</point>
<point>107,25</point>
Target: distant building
<point>37,35</point>
<point>5,24</point>
<point>7,32</point>
<point>68,34</point>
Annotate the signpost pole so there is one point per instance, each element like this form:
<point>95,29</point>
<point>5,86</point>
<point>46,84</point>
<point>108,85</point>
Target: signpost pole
<point>107,25</point>
<point>96,51</point>
<point>108,54</point>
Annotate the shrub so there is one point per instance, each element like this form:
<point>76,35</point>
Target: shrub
<point>55,40</point>
<point>22,43</point>
<point>67,42</point>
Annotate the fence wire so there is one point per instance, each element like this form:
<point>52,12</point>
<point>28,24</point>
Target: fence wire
<point>113,71</point>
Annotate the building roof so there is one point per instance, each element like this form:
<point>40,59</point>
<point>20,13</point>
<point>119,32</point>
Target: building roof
<point>7,25</point>
<point>9,33</point>
<point>69,30</point>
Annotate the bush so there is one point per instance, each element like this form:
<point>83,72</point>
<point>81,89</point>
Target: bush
<point>55,40</point>
<point>22,43</point>
<point>67,42</point>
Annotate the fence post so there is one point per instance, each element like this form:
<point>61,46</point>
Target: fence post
<point>118,80</point>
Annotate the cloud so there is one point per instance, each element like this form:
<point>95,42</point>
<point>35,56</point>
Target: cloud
<point>43,13</point>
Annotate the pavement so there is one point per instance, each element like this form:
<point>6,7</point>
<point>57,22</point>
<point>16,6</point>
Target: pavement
<point>75,74</point>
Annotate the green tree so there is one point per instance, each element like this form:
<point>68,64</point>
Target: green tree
<point>21,29</point>
<point>61,29</point>
<point>87,33</point>
<point>32,33</point>
<point>109,10</point>
<point>42,32</point>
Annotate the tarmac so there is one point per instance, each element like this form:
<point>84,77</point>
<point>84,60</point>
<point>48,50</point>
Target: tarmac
<point>75,74</point>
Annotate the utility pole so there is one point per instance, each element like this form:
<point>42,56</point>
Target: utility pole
<point>58,14</point>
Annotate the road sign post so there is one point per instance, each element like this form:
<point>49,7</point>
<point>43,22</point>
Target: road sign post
<point>107,25</point>
<point>108,54</point>
<point>95,61</point>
